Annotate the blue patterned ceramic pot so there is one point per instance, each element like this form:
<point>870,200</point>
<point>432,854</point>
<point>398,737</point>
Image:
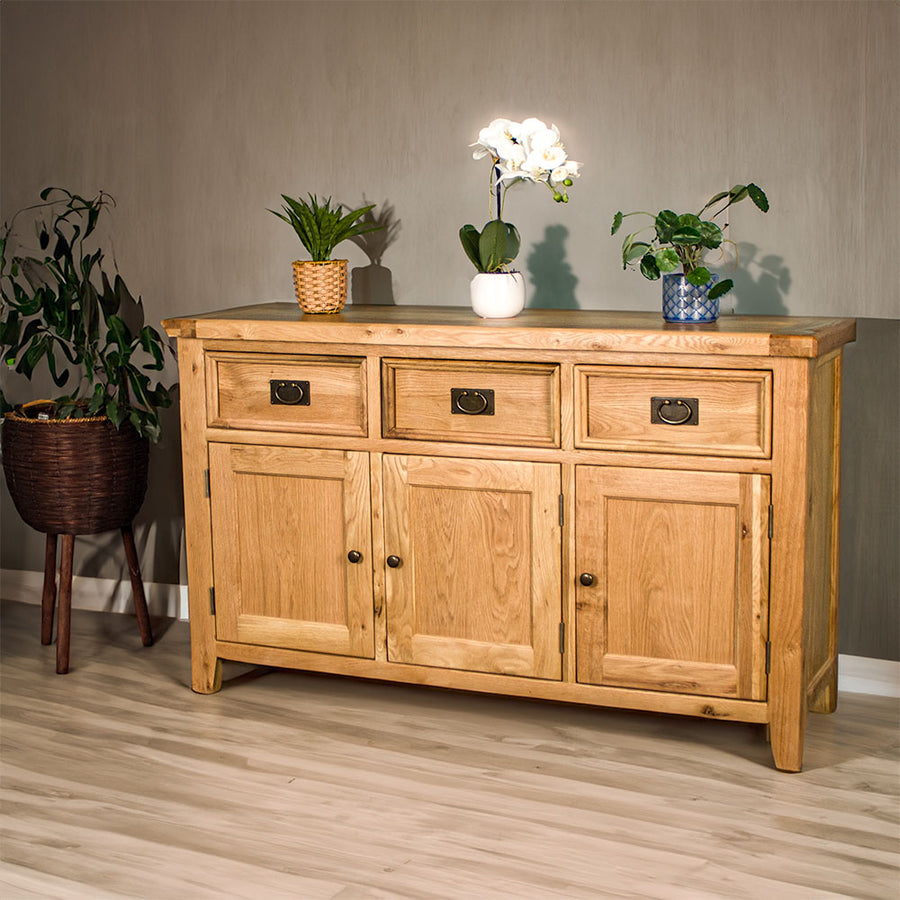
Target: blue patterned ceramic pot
<point>684,302</point>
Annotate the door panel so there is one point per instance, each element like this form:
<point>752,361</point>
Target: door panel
<point>478,584</point>
<point>679,596</point>
<point>284,521</point>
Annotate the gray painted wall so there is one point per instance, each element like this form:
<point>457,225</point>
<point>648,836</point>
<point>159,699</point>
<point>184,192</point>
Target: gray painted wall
<point>197,116</point>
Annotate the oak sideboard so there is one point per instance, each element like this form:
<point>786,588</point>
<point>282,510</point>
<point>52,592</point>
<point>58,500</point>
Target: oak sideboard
<point>582,506</point>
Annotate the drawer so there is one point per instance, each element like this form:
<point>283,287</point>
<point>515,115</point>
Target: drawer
<point>713,412</point>
<point>471,402</point>
<point>271,392</point>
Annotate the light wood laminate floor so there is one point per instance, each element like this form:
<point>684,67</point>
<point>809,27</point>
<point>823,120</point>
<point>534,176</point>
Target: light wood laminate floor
<point>118,781</point>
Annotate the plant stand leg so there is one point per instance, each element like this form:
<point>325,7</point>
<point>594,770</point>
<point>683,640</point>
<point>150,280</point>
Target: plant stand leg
<point>65,604</point>
<point>137,586</point>
<point>48,599</point>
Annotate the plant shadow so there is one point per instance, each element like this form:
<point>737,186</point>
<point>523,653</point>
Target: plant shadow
<point>372,285</point>
<point>552,276</point>
<point>760,283</point>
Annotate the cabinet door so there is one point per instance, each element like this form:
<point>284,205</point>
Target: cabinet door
<point>679,598</point>
<point>284,521</point>
<point>478,585</point>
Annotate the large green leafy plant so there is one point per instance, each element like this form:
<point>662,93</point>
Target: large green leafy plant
<point>60,306</point>
<point>320,226</point>
<point>683,240</point>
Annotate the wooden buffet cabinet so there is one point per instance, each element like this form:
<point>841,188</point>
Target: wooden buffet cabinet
<point>590,507</point>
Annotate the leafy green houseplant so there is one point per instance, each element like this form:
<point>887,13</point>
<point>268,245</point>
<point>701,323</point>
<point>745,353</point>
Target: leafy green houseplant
<point>60,306</point>
<point>321,282</point>
<point>684,239</point>
<point>77,464</point>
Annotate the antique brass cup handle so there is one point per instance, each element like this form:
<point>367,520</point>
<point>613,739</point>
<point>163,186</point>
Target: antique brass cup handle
<point>471,401</point>
<point>674,410</point>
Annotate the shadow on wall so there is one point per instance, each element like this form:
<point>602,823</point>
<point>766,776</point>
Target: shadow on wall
<point>553,279</point>
<point>760,283</point>
<point>373,284</point>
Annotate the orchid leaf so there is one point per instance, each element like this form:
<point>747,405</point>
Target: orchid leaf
<point>468,237</point>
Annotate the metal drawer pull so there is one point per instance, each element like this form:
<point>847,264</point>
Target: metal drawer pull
<point>471,402</point>
<point>354,556</point>
<point>586,578</point>
<point>289,393</point>
<point>393,561</point>
<point>674,411</point>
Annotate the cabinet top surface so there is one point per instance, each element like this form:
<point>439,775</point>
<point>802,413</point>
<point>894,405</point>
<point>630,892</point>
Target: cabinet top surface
<point>543,329</point>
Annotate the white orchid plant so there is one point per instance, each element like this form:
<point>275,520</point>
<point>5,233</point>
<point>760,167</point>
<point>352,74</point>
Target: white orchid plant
<point>519,151</point>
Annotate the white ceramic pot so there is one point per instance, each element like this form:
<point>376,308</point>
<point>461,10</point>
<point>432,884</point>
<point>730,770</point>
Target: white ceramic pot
<point>498,295</point>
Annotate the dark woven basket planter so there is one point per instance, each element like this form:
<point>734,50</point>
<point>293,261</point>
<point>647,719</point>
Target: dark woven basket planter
<point>74,476</point>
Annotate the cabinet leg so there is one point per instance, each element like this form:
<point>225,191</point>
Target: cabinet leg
<point>65,604</point>
<point>787,743</point>
<point>206,678</point>
<point>826,698</point>
<point>137,586</point>
<point>48,598</point>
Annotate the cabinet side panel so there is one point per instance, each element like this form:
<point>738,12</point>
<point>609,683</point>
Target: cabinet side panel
<point>820,599</point>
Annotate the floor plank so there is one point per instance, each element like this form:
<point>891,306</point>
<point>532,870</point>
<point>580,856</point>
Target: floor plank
<point>119,781</point>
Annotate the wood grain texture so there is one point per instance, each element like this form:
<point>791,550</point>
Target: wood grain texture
<point>560,329</point>
<point>678,597</point>
<point>417,402</point>
<point>482,547</point>
<point>239,396</point>
<point>733,410</point>
<point>478,583</point>
<point>119,781</point>
<point>206,667</point>
<point>788,702</point>
<point>286,520</point>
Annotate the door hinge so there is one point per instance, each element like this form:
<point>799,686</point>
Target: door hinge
<point>562,510</point>
<point>768,657</point>
<point>562,637</point>
<point>206,481</point>
<point>212,601</point>
<point>771,519</point>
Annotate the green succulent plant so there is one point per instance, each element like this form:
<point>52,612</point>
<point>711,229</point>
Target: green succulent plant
<point>320,226</point>
<point>682,240</point>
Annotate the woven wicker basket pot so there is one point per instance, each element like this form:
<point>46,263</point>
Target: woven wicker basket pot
<point>321,287</point>
<point>74,476</point>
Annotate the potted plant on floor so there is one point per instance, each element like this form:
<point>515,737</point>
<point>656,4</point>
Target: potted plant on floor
<point>321,282</point>
<point>76,464</point>
<point>526,151</point>
<point>691,295</point>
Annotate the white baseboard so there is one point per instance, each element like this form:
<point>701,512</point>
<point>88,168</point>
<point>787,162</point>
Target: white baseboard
<point>103,594</point>
<point>861,675</point>
<point>856,674</point>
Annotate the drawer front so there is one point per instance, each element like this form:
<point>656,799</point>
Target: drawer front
<point>712,412</point>
<point>269,392</point>
<point>471,402</point>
